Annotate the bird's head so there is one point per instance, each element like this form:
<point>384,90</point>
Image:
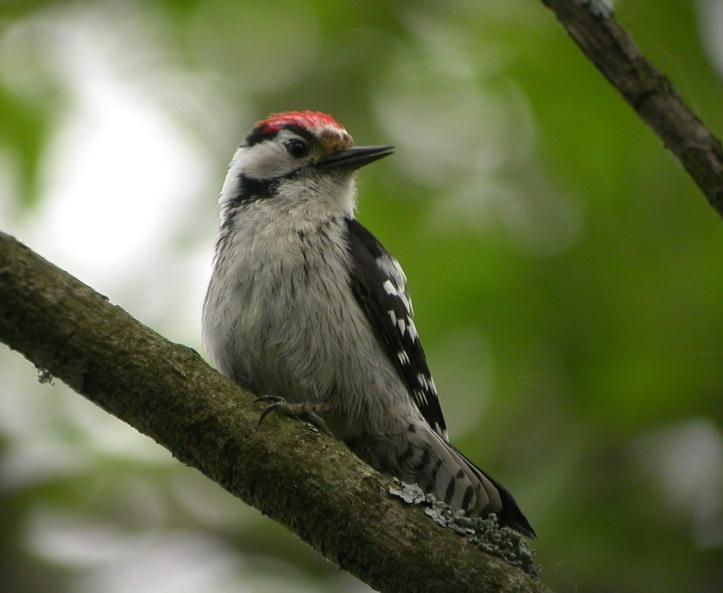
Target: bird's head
<point>297,155</point>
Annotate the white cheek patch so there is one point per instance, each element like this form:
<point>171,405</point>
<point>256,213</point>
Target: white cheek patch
<point>266,160</point>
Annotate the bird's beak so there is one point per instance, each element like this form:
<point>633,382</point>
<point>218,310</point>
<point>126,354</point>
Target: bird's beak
<point>355,157</point>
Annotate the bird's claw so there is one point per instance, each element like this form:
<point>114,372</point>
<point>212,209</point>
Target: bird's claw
<point>269,399</point>
<point>305,411</point>
<point>273,407</point>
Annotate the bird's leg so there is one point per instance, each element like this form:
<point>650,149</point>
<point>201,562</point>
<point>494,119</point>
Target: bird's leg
<point>306,411</point>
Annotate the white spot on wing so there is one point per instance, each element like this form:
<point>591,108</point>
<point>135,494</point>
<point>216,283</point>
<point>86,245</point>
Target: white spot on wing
<point>401,325</point>
<point>421,397</point>
<point>403,357</point>
<point>389,288</point>
<point>393,270</point>
<point>422,380</point>
<point>432,386</point>
<point>412,329</point>
<point>391,267</point>
<point>392,316</point>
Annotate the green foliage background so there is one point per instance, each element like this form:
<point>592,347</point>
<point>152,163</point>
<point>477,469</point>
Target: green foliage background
<point>566,276</point>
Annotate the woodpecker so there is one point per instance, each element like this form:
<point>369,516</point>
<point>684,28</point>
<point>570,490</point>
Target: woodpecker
<point>306,305</point>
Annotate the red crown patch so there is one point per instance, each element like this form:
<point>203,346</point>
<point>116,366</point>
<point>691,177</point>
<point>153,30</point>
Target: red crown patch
<point>304,119</point>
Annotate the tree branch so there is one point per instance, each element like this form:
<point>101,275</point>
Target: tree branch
<point>591,24</point>
<point>306,481</point>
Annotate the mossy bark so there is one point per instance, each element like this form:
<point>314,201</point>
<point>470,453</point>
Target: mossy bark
<point>591,25</point>
<point>305,480</point>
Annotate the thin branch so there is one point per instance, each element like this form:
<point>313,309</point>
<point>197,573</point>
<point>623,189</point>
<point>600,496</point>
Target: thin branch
<point>304,480</point>
<point>592,25</point>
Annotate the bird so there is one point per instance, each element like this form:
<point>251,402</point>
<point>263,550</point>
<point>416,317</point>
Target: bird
<point>307,308</point>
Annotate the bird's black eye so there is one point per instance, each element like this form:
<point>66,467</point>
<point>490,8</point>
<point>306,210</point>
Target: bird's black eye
<point>297,148</point>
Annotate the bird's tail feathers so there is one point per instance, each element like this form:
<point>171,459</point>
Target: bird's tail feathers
<point>438,467</point>
<point>510,513</point>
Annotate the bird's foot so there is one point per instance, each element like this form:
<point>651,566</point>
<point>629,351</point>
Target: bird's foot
<point>305,411</point>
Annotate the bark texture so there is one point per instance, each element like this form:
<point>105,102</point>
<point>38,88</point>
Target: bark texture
<point>305,480</point>
<point>592,25</point>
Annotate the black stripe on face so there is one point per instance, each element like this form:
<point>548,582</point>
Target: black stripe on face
<point>249,190</point>
<point>303,132</point>
<point>260,135</point>
<point>257,188</point>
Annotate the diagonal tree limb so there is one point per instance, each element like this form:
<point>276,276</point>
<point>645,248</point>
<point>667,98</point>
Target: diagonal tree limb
<point>306,481</point>
<point>592,26</point>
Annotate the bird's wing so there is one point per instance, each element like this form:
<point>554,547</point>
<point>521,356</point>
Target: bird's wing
<point>379,286</point>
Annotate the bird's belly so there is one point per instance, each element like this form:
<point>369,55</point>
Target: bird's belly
<point>299,333</point>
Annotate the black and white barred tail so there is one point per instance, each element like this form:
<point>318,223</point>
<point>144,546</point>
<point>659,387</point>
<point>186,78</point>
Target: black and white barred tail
<point>421,456</point>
